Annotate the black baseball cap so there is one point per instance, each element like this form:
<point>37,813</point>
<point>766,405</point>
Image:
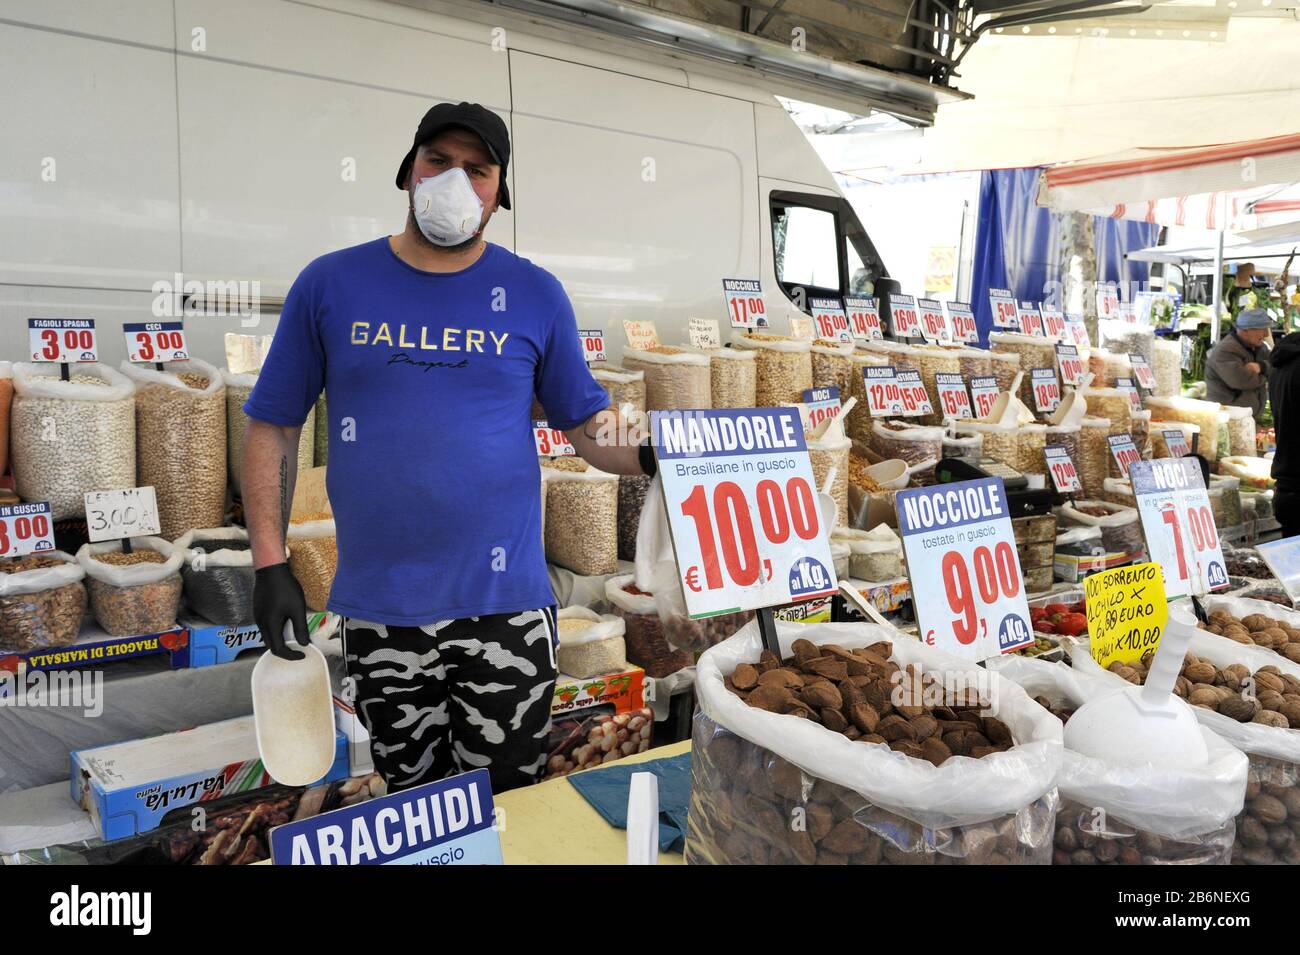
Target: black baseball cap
<point>489,127</point>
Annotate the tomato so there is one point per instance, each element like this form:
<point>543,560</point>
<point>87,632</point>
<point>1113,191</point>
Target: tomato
<point>1073,624</point>
<point>1044,626</point>
<point>1056,608</point>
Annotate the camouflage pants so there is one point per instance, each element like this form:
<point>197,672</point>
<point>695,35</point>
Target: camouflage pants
<point>455,695</point>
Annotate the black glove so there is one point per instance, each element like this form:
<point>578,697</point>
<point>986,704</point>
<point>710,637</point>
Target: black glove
<point>646,456</point>
<point>277,598</point>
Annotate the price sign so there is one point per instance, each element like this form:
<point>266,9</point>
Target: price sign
<point>1078,331</point>
<point>1178,523</point>
<point>746,526</point>
<point>745,305</point>
<point>1125,312</point>
<point>884,397</point>
<point>25,529</point>
<point>1176,442</point>
<point>962,320</point>
<point>953,400</point>
<point>1123,451</point>
<point>130,512</point>
<point>641,335</point>
<point>703,333</point>
<point>801,326</point>
<point>903,317</point>
<point>822,403</point>
<point>593,344</point>
<point>1061,468</point>
<point>62,339</point>
<point>1053,321</point>
<point>983,394</point>
<point>1283,558</point>
<point>961,556</point>
<point>1107,302</point>
<point>864,318</point>
<point>1127,612</point>
<point>1142,372</point>
<point>551,442</point>
<point>916,401</point>
<point>1071,365</point>
<point>829,319</point>
<point>155,341</point>
<point>934,326</point>
<point>1047,393</point>
<point>1134,398</point>
<point>1003,304</point>
<point>1031,323</point>
<point>463,830</point>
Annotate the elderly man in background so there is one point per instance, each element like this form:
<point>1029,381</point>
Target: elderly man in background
<point>1236,370</point>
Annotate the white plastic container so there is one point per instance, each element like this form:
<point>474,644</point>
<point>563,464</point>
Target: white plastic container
<point>294,714</point>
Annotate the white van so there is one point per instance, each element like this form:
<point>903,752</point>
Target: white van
<point>224,141</point>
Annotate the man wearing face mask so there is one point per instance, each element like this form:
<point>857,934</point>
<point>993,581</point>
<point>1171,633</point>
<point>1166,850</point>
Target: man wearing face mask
<point>430,345</point>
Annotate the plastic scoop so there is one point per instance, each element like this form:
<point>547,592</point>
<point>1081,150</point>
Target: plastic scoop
<point>863,605</point>
<point>643,819</point>
<point>830,510</point>
<point>294,715</point>
<point>837,421</point>
<point>1073,407</point>
<point>1145,725</point>
<point>921,466</point>
<point>890,474</point>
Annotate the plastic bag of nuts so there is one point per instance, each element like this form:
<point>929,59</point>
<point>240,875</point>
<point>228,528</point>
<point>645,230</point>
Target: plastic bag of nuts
<point>180,424</point>
<point>599,739</point>
<point>1117,814</point>
<point>590,645</point>
<point>784,368</point>
<point>865,782</point>
<point>313,556</point>
<point>832,364</point>
<point>674,377</point>
<point>70,437</point>
<point>1268,828</point>
<point>238,388</point>
<point>647,644</point>
<point>624,387</point>
<point>734,377</point>
<point>832,451</point>
<point>42,600</point>
<point>133,593</point>
<point>581,528</point>
<point>631,498</point>
<point>1257,622</point>
<point>218,574</point>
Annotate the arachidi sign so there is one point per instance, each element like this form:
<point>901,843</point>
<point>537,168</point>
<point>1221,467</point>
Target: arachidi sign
<point>903,317</point>
<point>962,320</point>
<point>1031,323</point>
<point>934,326</point>
<point>1178,523</point>
<point>450,822</point>
<point>62,339</point>
<point>593,343</point>
<point>1071,365</point>
<point>884,397</point>
<point>864,318</point>
<point>953,400</point>
<point>961,556</point>
<point>829,319</point>
<point>745,305</point>
<point>742,508</point>
<point>1003,304</point>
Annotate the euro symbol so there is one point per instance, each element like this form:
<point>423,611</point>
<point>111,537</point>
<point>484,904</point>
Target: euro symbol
<point>693,579</point>
<point>929,638</point>
<point>767,567</point>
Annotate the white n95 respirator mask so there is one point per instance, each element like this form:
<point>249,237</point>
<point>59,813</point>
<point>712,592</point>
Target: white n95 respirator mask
<point>447,209</point>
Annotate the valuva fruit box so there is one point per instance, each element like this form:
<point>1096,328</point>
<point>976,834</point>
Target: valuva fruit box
<point>212,644</point>
<point>129,788</point>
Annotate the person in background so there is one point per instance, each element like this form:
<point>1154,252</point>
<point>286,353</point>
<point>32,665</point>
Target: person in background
<point>1236,370</point>
<point>1284,396</point>
<point>1240,294</point>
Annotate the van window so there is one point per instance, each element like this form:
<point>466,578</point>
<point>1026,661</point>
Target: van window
<point>820,247</point>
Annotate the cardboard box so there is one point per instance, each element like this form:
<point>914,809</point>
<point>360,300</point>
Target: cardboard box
<point>1072,569</point>
<point>94,649</point>
<point>622,692</point>
<point>129,788</point>
<point>212,644</point>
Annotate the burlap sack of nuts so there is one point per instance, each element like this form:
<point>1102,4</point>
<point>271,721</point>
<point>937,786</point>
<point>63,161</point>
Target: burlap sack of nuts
<point>70,437</point>
<point>42,600</point>
<point>180,423</point>
<point>581,527</point>
<point>674,377</point>
<point>313,556</point>
<point>1268,828</point>
<point>784,787</point>
<point>238,388</point>
<point>133,593</point>
<point>1115,814</point>
<point>784,367</point>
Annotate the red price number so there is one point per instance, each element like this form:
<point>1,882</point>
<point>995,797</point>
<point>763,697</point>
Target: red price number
<point>906,321</point>
<point>825,324</point>
<point>725,530</point>
<point>72,340</point>
<point>865,324</point>
<point>963,326</point>
<point>150,344</point>
<point>955,403</point>
<point>819,413</point>
<point>933,324</point>
<point>1064,474</point>
<point>22,528</point>
<point>552,441</point>
<point>1005,314</point>
<point>1072,370</point>
<point>746,311</point>
<point>997,572</point>
<point>1047,395</point>
<point>1200,522</point>
<point>984,401</point>
<point>1054,324</point>
<point>885,396</point>
<point>593,347</point>
<point>1125,457</point>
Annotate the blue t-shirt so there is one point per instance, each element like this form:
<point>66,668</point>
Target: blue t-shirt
<point>433,475</point>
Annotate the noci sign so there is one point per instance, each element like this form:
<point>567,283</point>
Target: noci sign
<point>742,507</point>
<point>961,555</point>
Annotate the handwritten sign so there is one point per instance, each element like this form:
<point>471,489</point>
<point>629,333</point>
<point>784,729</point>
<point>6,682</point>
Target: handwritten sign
<point>130,512</point>
<point>641,335</point>
<point>703,333</point>
<point>1127,612</point>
